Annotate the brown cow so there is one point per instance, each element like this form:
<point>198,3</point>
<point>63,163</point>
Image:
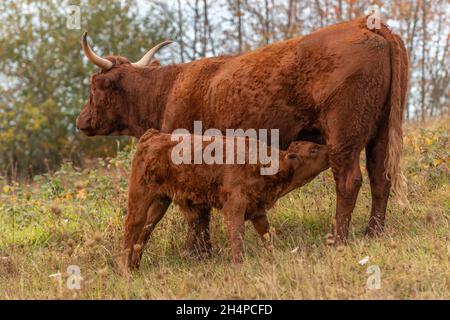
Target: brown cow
<point>344,85</point>
<point>238,190</point>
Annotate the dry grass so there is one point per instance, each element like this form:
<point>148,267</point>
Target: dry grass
<point>75,218</point>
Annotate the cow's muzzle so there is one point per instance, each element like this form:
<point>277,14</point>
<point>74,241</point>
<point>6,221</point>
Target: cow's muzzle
<point>84,124</point>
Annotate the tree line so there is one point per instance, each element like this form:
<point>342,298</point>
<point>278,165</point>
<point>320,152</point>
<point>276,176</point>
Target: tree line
<point>44,79</point>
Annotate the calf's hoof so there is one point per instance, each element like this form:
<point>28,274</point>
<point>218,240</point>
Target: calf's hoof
<point>237,259</point>
<point>375,228</point>
<point>123,270</point>
<point>201,253</point>
<point>374,231</point>
<point>123,263</point>
<point>268,239</point>
<point>199,250</point>
<point>334,240</point>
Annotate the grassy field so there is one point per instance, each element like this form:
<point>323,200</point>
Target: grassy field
<point>74,217</point>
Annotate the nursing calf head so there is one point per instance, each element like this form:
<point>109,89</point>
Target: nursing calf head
<point>304,161</point>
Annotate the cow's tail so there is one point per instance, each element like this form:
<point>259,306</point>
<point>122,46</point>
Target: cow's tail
<point>397,102</point>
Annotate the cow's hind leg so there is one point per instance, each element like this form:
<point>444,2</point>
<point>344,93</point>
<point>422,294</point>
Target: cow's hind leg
<point>348,121</point>
<point>348,178</point>
<point>376,154</point>
<point>348,127</point>
<point>155,213</point>
<point>344,149</point>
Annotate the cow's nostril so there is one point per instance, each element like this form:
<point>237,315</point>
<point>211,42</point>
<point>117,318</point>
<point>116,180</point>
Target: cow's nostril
<point>82,124</point>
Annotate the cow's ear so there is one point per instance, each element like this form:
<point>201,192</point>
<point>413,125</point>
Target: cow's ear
<point>102,82</point>
<point>155,63</point>
<point>106,81</point>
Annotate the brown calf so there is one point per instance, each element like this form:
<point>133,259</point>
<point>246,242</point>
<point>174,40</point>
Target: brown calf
<point>238,190</point>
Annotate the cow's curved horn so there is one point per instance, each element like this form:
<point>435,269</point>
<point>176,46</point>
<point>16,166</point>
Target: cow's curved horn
<point>102,63</point>
<point>145,60</point>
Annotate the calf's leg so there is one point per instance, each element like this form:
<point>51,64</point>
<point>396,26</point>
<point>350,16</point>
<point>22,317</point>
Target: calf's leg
<point>139,201</point>
<point>155,213</point>
<point>198,239</point>
<point>234,213</point>
<point>262,226</point>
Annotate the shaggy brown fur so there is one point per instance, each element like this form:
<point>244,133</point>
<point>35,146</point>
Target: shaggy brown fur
<point>238,190</point>
<point>344,85</point>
